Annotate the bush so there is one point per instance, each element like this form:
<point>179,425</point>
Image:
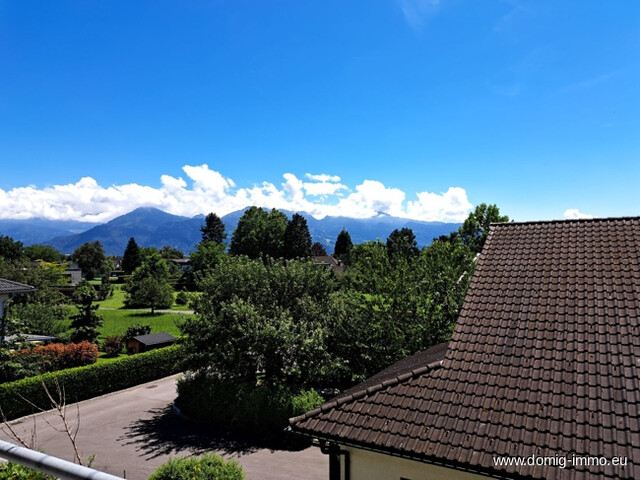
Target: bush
<point>243,407</point>
<point>15,471</point>
<point>182,298</point>
<point>135,330</point>
<point>207,467</point>
<point>57,356</point>
<point>112,346</point>
<point>90,381</point>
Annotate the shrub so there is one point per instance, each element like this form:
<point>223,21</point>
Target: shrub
<point>112,346</point>
<point>243,407</point>
<point>57,356</point>
<point>135,330</point>
<point>15,471</point>
<point>182,298</point>
<point>89,381</point>
<point>207,467</point>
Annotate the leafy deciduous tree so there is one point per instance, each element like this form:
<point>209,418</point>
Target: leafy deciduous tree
<point>261,316</point>
<point>259,234</point>
<point>43,252</point>
<point>90,258</point>
<point>149,285</point>
<point>475,228</point>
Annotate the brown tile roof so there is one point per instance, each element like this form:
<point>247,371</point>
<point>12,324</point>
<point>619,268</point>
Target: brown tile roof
<point>8,286</point>
<point>543,361</point>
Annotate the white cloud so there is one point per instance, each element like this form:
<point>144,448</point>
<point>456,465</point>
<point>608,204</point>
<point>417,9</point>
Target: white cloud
<point>323,177</point>
<point>450,206</point>
<point>575,214</point>
<point>205,190</point>
<point>417,11</point>
<point>323,184</point>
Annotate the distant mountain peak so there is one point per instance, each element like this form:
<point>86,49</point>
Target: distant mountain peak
<point>152,227</point>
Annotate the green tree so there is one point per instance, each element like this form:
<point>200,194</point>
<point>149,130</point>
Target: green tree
<point>90,258</point>
<point>10,250</point>
<point>297,239</point>
<point>168,252</point>
<point>204,258</point>
<point>86,322</point>
<point>135,330</point>
<point>149,285</point>
<point>259,234</point>
<point>43,252</point>
<point>342,249</point>
<point>132,258</point>
<point>402,246</point>
<point>213,229</point>
<point>317,250</point>
<point>270,317</point>
<point>385,312</point>
<point>475,229</point>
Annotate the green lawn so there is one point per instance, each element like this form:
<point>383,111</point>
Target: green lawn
<point>116,322</point>
<point>117,301</point>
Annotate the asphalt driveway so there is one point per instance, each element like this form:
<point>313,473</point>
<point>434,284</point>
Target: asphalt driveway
<point>134,431</point>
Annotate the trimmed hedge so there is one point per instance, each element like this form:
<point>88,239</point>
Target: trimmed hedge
<point>243,407</point>
<point>90,381</point>
<point>207,467</point>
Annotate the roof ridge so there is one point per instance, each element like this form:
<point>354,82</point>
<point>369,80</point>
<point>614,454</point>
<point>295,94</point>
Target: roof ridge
<point>416,372</point>
<point>566,220</point>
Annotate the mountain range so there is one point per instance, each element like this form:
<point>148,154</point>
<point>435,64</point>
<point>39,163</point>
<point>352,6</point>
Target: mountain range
<point>154,228</point>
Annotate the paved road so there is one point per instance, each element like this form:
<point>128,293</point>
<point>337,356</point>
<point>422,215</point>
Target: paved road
<point>133,432</point>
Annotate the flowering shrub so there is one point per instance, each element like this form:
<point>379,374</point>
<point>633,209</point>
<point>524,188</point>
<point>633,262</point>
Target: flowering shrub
<point>57,356</point>
<point>112,346</point>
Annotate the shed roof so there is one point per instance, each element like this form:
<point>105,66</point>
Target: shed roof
<point>543,361</point>
<point>155,338</point>
<point>8,286</point>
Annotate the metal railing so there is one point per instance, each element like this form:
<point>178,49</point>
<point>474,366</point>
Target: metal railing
<point>53,466</point>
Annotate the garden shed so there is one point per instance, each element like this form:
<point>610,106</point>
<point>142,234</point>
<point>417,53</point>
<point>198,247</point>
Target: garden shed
<point>144,343</point>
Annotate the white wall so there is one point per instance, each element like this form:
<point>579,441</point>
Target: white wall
<point>365,465</point>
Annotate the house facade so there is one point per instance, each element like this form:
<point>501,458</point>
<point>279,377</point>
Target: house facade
<point>540,380</point>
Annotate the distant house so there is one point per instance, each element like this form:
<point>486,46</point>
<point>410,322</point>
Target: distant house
<point>8,289</point>
<point>144,343</point>
<point>74,273</point>
<point>183,264</point>
<point>30,339</point>
<point>330,262</point>
<point>540,380</point>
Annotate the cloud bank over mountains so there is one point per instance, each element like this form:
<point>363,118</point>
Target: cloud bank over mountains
<point>206,190</point>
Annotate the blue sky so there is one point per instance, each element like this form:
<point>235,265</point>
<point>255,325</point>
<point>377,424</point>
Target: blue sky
<point>417,108</point>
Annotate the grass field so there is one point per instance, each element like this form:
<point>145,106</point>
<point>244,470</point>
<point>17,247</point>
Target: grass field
<point>117,300</point>
<point>116,322</point>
